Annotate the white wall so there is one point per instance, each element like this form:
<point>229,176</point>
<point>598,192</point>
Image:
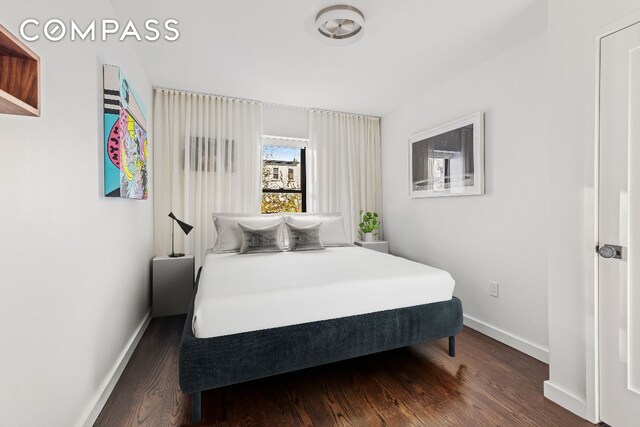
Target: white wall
<point>499,236</point>
<point>74,274</point>
<point>573,26</point>
<point>285,121</point>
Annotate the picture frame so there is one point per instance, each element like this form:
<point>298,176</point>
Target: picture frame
<point>448,160</point>
<point>126,146</point>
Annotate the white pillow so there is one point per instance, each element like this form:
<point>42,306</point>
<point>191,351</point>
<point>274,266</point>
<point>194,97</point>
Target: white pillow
<point>332,234</point>
<point>229,238</point>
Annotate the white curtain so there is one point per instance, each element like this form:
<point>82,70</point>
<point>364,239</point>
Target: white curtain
<point>344,165</point>
<point>207,154</point>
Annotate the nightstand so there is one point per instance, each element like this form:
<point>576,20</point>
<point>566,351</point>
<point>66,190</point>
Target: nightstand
<point>378,245</point>
<point>172,285</point>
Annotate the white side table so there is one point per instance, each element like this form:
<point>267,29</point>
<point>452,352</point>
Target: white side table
<point>172,285</point>
<point>378,245</point>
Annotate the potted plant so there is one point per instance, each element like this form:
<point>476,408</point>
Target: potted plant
<point>369,225</point>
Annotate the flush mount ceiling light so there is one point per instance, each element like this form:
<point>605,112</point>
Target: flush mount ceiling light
<point>340,24</point>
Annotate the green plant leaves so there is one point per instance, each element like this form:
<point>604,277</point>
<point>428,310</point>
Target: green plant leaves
<point>369,222</point>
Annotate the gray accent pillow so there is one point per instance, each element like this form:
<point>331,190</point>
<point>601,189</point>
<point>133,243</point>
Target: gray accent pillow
<point>304,238</point>
<point>258,240</point>
<point>229,235</point>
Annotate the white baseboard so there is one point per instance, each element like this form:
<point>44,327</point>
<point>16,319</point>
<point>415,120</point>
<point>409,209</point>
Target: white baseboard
<point>565,399</point>
<point>511,340</point>
<point>100,399</point>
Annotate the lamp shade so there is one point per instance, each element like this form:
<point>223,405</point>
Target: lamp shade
<point>185,227</point>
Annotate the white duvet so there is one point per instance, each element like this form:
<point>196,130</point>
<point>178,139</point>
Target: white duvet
<point>241,293</point>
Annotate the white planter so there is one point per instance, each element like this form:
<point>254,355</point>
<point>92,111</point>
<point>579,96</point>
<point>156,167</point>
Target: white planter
<point>369,237</point>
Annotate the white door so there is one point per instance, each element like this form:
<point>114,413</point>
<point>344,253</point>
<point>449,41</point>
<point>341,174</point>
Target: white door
<point>619,228</point>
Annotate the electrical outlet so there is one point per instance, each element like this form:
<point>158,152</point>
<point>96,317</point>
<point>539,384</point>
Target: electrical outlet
<point>494,289</point>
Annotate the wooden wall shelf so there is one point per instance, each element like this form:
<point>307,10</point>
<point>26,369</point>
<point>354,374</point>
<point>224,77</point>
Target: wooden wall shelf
<point>19,77</point>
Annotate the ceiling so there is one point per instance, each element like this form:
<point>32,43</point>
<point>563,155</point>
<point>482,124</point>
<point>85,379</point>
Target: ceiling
<point>268,50</point>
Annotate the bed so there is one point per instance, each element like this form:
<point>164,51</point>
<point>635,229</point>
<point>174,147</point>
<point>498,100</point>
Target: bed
<point>257,315</point>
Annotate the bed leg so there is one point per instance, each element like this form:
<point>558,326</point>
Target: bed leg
<point>196,406</point>
<point>452,346</point>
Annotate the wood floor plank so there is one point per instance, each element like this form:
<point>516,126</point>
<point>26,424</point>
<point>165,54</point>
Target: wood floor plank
<point>487,384</point>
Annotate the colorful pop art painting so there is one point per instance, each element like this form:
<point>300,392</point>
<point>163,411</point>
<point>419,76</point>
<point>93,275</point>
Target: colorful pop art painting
<point>125,134</point>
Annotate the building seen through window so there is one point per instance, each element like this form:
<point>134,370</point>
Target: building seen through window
<point>283,191</point>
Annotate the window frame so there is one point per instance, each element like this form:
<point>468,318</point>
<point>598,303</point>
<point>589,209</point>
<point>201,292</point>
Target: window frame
<point>298,143</point>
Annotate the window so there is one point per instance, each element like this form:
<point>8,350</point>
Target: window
<point>281,154</point>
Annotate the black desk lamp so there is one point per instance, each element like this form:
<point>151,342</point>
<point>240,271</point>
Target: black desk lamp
<point>185,227</point>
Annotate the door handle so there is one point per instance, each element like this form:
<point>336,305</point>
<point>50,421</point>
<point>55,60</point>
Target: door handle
<point>610,251</point>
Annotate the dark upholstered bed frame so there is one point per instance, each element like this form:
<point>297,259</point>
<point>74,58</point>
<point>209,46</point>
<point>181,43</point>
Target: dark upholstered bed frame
<point>208,363</point>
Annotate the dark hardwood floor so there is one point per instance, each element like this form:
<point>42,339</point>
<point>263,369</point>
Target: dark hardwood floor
<point>486,384</point>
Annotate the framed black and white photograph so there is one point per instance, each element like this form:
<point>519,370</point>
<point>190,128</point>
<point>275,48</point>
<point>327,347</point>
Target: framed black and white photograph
<point>448,160</point>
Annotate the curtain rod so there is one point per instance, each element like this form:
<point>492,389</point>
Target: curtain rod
<point>267,103</point>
